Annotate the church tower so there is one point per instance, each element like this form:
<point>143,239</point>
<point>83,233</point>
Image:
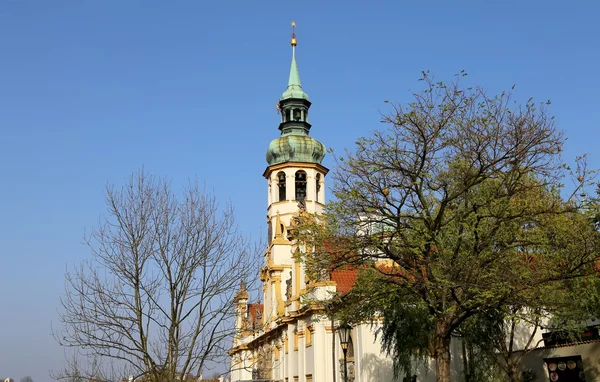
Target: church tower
<point>290,337</point>
<point>296,182</point>
<point>274,340</point>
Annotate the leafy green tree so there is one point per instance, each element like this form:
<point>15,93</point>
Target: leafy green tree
<point>456,209</point>
<point>498,340</point>
<point>495,342</point>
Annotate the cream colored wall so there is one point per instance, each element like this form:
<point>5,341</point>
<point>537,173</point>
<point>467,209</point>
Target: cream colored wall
<point>371,364</point>
<point>241,366</point>
<point>290,205</point>
<point>374,365</point>
<point>287,208</point>
<point>279,259</point>
<point>590,355</point>
<point>316,360</point>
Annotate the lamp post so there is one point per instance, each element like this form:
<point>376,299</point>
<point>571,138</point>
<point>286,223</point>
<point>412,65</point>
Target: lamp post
<point>344,333</point>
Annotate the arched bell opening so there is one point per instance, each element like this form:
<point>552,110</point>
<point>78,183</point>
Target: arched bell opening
<point>281,179</point>
<point>300,193</point>
<point>317,187</point>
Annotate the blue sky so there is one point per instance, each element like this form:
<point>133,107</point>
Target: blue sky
<point>90,91</point>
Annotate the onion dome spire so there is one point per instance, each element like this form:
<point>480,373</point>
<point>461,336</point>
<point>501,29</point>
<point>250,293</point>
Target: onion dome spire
<point>294,144</point>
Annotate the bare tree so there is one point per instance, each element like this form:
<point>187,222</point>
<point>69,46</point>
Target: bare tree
<point>156,297</point>
<point>27,378</point>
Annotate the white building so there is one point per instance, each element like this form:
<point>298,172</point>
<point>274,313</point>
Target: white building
<point>286,338</point>
<point>289,337</point>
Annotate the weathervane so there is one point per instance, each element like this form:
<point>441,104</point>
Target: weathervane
<point>293,42</point>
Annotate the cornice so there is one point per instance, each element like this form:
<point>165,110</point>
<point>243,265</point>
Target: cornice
<point>281,166</point>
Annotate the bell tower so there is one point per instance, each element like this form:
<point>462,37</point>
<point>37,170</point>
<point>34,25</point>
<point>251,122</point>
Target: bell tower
<point>296,183</point>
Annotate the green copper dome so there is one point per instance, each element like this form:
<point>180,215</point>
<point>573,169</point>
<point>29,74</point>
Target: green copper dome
<point>294,145</point>
<point>295,148</point>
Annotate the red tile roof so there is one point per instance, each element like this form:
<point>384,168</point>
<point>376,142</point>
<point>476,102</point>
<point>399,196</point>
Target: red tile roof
<point>255,312</point>
<point>344,279</point>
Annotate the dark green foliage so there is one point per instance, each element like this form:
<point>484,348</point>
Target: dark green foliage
<point>457,206</point>
<point>482,336</point>
<point>405,335</point>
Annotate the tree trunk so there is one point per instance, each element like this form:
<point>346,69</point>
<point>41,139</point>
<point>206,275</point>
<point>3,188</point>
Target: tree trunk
<point>466,363</point>
<point>511,366</point>
<point>441,353</point>
<point>512,371</point>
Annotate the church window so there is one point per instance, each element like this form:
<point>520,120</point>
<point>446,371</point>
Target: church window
<point>270,193</point>
<point>317,186</point>
<point>296,336</point>
<point>288,113</point>
<point>297,114</point>
<point>300,185</point>
<point>308,336</point>
<point>281,184</point>
<point>270,232</point>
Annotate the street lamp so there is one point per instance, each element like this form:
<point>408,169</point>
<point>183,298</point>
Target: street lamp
<point>344,333</point>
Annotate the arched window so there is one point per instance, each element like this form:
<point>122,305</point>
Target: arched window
<point>317,186</point>
<point>297,114</point>
<point>270,193</point>
<point>300,185</point>
<point>281,184</point>
<point>269,232</point>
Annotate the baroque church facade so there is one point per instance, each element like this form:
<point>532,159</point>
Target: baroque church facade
<point>289,337</point>
<point>286,338</point>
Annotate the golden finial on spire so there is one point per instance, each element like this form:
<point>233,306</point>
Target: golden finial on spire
<point>293,42</point>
